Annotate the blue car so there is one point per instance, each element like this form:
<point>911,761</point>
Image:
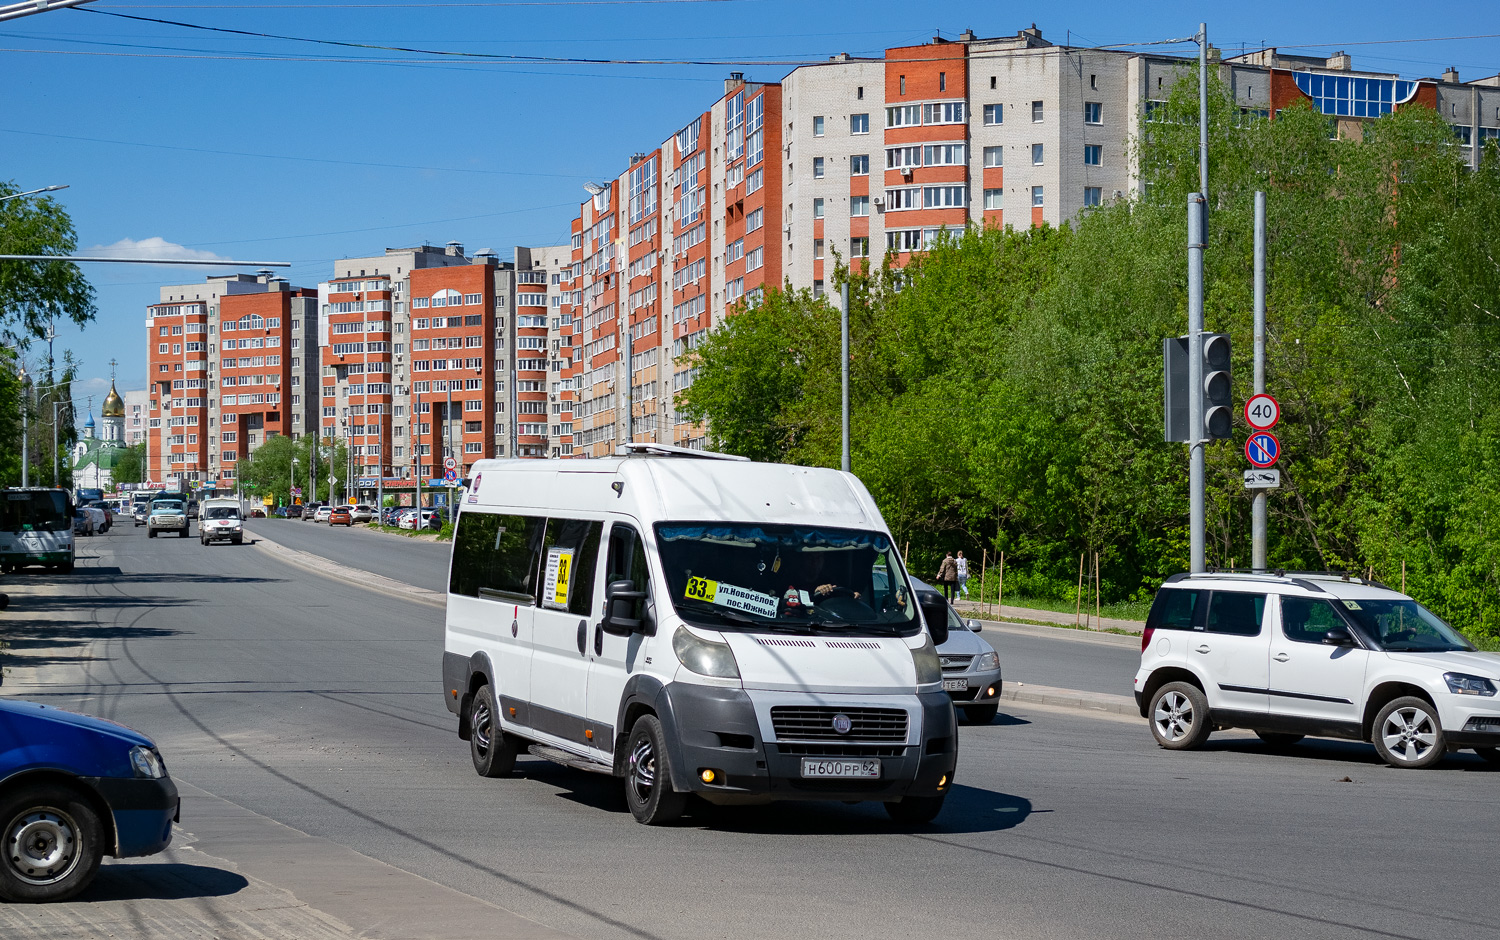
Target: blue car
<point>73,789</point>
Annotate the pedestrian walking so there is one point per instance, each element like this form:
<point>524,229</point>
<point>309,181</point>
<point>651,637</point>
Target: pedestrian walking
<point>947,575</point>
<point>962,564</point>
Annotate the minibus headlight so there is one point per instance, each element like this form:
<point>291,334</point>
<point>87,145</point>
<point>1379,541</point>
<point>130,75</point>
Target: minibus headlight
<point>925,657</point>
<point>705,657</point>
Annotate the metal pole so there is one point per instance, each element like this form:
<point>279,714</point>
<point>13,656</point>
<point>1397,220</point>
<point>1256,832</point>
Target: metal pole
<point>54,440</point>
<point>1258,505</point>
<point>25,428</point>
<point>1203,113</point>
<point>844,371</point>
<point>1195,211</point>
<point>448,437</point>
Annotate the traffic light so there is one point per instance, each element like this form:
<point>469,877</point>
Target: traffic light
<point>1175,387</point>
<point>1218,416</point>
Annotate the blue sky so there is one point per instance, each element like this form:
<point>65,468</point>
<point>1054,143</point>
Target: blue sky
<point>259,148</point>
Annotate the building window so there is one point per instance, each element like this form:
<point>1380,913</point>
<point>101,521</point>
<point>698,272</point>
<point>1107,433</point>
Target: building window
<point>1036,112</point>
<point>817,168</point>
<point>994,199</point>
<point>818,126</point>
<point>859,165</point>
<point>944,197</point>
<point>994,156</point>
<point>902,83</point>
<point>1036,154</point>
<point>1093,112</point>
<point>859,247</point>
<point>859,123</point>
<point>859,93</point>
<point>859,205</point>
<point>818,285</point>
<point>817,208</point>
<point>817,249</point>
<point>994,113</point>
<point>992,83</point>
<point>1036,196</point>
<point>1091,196</point>
<point>1092,154</point>
<point>948,112</point>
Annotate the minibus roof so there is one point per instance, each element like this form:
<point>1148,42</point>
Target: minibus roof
<point>660,487</point>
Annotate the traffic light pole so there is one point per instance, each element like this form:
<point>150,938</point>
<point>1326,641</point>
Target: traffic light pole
<point>1196,431</point>
<point>1258,505</point>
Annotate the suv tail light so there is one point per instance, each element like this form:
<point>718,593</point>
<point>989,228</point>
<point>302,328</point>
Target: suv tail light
<point>1146,637</point>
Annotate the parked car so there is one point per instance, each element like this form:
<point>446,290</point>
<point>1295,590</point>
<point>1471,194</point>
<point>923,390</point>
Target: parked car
<point>1293,655</point>
<point>294,512</point>
<point>73,789</point>
<point>167,516</point>
<point>258,512</point>
<point>83,521</point>
<point>362,513</point>
<point>322,514</point>
<point>341,515</point>
<point>103,518</point>
<point>278,512</point>
<point>971,667</point>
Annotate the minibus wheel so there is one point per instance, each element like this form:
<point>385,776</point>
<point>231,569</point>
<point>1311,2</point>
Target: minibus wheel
<point>648,775</point>
<point>493,751</point>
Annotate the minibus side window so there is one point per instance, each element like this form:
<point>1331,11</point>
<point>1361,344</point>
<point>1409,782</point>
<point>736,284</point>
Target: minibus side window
<point>496,556</point>
<point>627,562</point>
<point>569,560</point>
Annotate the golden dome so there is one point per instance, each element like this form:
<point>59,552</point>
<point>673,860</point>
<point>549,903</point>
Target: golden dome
<point>114,405</point>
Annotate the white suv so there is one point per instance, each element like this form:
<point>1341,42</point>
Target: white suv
<point>1288,656</point>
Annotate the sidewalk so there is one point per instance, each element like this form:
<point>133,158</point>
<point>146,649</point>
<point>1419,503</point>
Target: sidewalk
<point>1047,616</point>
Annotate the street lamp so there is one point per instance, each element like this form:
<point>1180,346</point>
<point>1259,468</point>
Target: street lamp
<point>33,192</point>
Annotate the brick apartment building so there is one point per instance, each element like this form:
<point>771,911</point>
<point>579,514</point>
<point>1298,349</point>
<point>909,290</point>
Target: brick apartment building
<point>571,350</point>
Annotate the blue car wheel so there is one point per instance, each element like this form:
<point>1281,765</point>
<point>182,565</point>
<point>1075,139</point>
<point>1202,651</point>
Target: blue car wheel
<point>51,844</point>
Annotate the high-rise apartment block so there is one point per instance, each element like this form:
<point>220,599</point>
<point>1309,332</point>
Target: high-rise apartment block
<point>572,350</point>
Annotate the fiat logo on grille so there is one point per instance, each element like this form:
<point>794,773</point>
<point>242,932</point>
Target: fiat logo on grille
<point>842,724</point>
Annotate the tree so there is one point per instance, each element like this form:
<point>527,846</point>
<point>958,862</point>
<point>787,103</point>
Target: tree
<point>34,293</point>
<point>130,465</point>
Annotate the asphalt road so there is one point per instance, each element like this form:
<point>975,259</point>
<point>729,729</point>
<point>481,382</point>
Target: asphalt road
<point>315,704</point>
<point>1035,655</point>
<point>421,562</point>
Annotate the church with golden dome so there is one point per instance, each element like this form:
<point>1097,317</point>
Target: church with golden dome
<point>98,452</point>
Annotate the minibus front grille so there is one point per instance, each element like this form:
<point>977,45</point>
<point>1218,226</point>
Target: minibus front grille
<point>817,722</point>
<point>841,750</point>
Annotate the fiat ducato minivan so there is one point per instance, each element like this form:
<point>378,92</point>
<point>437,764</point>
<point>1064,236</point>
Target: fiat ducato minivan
<point>694,623</point>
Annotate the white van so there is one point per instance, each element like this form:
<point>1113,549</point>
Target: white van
<point>694,623</point>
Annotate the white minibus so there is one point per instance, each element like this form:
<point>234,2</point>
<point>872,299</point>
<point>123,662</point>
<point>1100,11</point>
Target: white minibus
<point>694,623</point>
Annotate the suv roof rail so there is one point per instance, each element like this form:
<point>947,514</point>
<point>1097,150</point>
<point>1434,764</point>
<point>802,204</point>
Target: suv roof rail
<point>1299,578</point>
<point>648,449</point>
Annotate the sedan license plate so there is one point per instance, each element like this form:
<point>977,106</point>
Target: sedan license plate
<point>812,767</point>
<point>955,685</point>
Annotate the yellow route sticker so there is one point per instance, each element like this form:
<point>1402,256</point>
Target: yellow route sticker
<point>731,596</point>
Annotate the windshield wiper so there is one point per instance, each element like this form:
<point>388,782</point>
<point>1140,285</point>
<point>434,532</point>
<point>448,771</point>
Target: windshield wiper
<point>727,616</point>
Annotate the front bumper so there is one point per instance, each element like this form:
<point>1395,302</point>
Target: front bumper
<point>143,810</point>
<point>719,729</point>
<point>23,557</point>
<point>214,534</point>
<point>984,687</point>
<point>1476,722</point>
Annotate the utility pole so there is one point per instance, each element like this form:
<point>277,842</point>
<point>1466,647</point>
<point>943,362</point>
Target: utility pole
<point>844,371</point>
<point>1197,240</point>
<point>1258,505</point>
<point>25,428</point>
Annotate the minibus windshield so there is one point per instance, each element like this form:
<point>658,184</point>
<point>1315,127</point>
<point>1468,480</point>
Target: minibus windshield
<point>786,579</point>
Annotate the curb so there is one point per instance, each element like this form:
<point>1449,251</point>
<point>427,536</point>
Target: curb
<point>365,579</point>
<point>1071,698</point>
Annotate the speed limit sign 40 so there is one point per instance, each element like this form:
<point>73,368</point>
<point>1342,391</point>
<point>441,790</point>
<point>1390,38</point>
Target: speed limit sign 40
<point>1262,412</point>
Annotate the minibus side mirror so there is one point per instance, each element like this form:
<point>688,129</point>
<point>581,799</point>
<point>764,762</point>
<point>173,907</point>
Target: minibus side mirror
<point>619,604</point>
<point>935,612</point>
